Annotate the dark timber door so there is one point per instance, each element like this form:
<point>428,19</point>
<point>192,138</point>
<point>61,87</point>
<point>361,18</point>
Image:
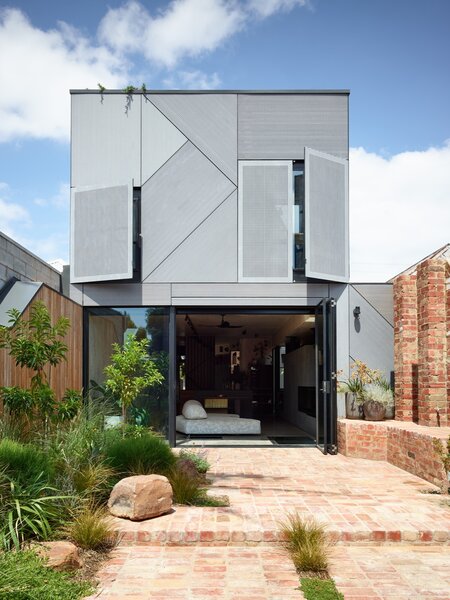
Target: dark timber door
<point>326,376</point>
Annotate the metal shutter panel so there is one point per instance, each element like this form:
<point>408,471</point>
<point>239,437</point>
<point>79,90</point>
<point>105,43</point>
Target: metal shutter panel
<point>265,221</point>
<point>326,216</point>
<point>102,234</point>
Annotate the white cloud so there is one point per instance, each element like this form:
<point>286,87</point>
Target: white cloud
<point>184,28</point>
<point>399,210</point>
<point>193,80</point>
<point>41,68</point>
<point>11,215</point>
<point>266,8</point>
<point>59,200</point>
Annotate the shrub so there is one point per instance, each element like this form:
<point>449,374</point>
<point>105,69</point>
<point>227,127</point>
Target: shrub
<point>188,490</point>
<point>93,480</point>
<point>307,542</point>
<point>143,455</point>
<point>198,458</point>
<point>91,528</point>
<point>25,462</point>
<point>24,576</point>
<point>319,589</point>
<point>27,510</point>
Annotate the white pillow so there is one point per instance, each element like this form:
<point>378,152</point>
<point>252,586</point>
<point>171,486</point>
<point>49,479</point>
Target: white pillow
<point>192,409</point>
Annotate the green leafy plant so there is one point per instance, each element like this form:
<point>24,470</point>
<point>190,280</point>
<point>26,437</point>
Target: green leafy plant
<point>130,372</point>
<point>307,542</point>
<point>69,406</point>
<point>29,510</point>
<point>91,528</point>
<point>101,88</point>
<point>146,454</point>
<point>199,458</point>
<point>319,589</point>
<point>444,455</point>
<point>25,576</point>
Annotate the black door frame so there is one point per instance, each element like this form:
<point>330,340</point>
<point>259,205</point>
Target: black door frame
<point>329,337</point>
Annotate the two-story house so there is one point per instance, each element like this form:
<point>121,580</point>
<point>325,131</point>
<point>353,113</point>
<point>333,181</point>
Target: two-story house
<point>216,225</point>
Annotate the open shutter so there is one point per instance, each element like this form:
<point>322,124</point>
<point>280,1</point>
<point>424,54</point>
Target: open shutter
<point>326,216</point>
<point>101,233</point>
<point>265,221</point>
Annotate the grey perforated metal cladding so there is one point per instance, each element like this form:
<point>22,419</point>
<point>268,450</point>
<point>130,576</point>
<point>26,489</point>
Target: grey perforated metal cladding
<point>265,228</point>
<point>326,216</point>
<point>101,245</point>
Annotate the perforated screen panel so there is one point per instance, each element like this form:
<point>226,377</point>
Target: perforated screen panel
<point>265,221</point>
<point>326,216</point>
<point>101,234</point>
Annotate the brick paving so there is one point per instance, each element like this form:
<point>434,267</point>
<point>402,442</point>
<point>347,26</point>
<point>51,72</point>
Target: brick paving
<point>392,572</point>
<point>229,553</point>
<point>199,573</point>
<point>359,501</point>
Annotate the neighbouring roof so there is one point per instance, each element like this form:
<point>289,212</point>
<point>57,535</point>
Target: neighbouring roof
<point>443,252</point>
<point>19,296</point>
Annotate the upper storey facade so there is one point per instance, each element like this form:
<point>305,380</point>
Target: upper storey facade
<point>209,187</point>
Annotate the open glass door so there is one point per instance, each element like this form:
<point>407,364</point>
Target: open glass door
<point>325,376</point>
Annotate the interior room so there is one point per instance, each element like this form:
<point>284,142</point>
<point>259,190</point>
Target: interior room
<point>253,373</point>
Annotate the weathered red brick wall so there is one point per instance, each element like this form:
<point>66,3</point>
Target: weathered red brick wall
<point>421,345</point>
<point>361,439</point>
<point>405,348</point>
<point>432,342</point>
<point>403,446</point>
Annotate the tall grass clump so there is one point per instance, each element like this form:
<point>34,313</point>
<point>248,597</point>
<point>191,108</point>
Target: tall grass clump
<point>307,542</point>
<point>143,455</point>
<point>25,462</point>
<point>91,528</point>
<point>189,490</point>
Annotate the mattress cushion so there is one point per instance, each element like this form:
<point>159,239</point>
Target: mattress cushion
<point>218,424</point>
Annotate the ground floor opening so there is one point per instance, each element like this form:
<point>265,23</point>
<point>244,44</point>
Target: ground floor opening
<point>263,377</point>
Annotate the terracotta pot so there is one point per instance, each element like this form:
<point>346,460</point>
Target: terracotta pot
<point>374,411</point>
<point>353,410</point>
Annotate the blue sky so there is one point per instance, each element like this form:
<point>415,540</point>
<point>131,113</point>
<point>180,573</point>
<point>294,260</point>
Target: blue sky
<point>393,55</point>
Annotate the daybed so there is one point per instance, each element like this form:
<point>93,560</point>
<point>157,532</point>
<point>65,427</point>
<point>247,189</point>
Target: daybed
<point>196,421</point>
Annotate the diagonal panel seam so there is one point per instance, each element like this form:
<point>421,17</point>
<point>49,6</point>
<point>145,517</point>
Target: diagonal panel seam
<point>193,143</point>
<point>165,162</point>
<point>374,307</point>
<point>189,235</point>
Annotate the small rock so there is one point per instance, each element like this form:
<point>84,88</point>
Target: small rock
<point>62,555</point>
<point>141,497</point>
<point>188,468</point>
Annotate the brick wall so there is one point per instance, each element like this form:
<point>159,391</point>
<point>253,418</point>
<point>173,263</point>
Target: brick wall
<point>16,261</point>
<point>405,445</point>
<point>421,344</point>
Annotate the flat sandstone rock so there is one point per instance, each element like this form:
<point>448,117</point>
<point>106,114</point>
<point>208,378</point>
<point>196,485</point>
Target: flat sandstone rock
<point>141,497</point>
<point>62,556</point>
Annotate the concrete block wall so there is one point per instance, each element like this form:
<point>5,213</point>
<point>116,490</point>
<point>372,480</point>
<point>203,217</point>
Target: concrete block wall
<point>16,261</point>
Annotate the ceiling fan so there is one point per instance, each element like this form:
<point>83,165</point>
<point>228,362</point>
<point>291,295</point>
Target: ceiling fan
<point>224,325</point>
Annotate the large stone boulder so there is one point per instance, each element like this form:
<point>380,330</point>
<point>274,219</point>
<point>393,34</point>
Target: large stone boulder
<point>61,556</point>
<point>141,497</point>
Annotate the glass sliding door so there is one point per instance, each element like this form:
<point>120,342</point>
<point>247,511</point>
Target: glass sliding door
<point>106,326</point>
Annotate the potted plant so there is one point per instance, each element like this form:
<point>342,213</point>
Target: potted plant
<point>376,400</point>
<point>360,376</point>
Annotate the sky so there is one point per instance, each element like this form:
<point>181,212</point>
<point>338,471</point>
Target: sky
<point>393,56</point>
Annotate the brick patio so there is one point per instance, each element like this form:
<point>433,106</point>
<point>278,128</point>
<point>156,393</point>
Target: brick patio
<point>393,538</point>
<point>359,501</point>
